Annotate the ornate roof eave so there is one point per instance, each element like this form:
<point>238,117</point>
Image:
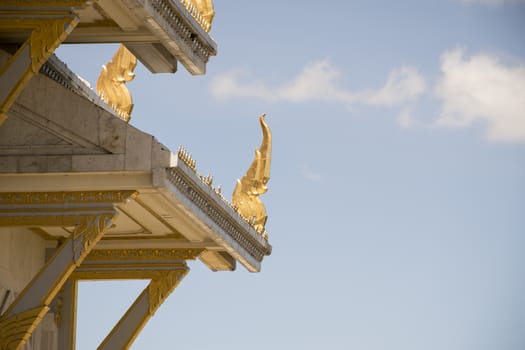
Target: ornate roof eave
<point>219,219</point>
<point>180,33</point>
<point>158,32</point>
<point>109,154</point>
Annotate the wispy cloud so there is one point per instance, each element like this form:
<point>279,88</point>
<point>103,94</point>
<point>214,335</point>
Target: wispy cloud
<point>482,89</point>
<point>310,175</point>
<point>319,81</point>
<point>406,119</point>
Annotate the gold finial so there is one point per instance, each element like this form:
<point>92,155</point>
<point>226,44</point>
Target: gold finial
<point>202,11</point>
<point>248,189</point>
<point>112,79</point>
<point>187,159</point>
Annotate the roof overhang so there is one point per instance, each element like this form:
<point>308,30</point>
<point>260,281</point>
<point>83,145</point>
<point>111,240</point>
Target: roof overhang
<point>61,139</point>
<point>158,32</point>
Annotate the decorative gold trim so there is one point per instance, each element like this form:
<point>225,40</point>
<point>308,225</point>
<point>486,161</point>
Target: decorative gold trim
<point>65,309</point>
<point>57,208</point>
<point>73,316</point>
<point>256,246</point>
<point>163,282</point>
<point>78,197</point>
<point>92,229</point>
<point>58,310</point>
<point>16,330</point>
<point>161,286</point>
<point>201,48</point>
<point>46,35</point>
<point>143,254</point>
<point>133,263</point>
<point>19,329</point>
<point>111,83</point>
<point>114,273</point>
<point>248,189</point>
<point>202,11</point>
<point>25,313</point>
<point>138,236</point>
<point>186,158</point>
<point>46,4</point>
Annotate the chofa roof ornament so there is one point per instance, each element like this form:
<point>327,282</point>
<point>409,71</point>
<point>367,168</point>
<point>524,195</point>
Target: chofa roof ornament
<point>111,83</point>
<point>248,189</point>
<point>202,11</point>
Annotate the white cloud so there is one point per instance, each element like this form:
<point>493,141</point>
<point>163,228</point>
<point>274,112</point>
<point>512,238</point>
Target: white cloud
<point>403,84</point>
<point>483,89</point>
<point>480,90</point>
<point>406,119</point>
<point>310,175</point>
<point>319,81</point>
<point>228,85</point>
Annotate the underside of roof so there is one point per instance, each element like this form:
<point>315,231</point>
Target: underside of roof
<point>159,33</point>
<point>60,138</point>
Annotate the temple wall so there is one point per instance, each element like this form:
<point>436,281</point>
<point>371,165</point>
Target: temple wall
<point>22,254</point>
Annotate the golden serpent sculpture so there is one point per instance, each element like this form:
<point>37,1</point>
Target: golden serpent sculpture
<point>248,189</point>
<point>111,83</point>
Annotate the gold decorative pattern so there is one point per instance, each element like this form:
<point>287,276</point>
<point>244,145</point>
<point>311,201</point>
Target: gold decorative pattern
<point>248,189</point>
<point>43,288</point>
<point>43,3</point>
<point>77,197</point>
<point>202,11</point>
<point>57,208</point>
<point>114,272</point>
<point>111,83</point>
<point>16,330</point>
<point>163,282</point>
<point>201,48</point>
<point>58,310</point>
<point>46,37</point>
<point>183,155</point>
<point>143,254</point>
<point>223,219</point>
<point>92,229</point>
<point>161,286</point>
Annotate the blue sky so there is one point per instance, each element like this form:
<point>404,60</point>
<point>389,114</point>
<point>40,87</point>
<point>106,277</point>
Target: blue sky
<point>397,195</point>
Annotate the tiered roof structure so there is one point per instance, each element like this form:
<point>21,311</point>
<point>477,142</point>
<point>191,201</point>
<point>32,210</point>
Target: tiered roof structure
<point>84,195</point>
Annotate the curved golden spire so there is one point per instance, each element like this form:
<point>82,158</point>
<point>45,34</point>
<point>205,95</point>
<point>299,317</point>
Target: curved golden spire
<point>248,189</point>
<point>202,11</point>
<point>111,83</point>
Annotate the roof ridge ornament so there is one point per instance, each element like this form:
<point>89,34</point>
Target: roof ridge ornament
<point>111,83</point>
<point>202,11</point>
<point>247,190</point>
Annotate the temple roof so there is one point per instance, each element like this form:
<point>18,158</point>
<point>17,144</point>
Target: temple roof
<point>61,137</point>
<point>158,32</point>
